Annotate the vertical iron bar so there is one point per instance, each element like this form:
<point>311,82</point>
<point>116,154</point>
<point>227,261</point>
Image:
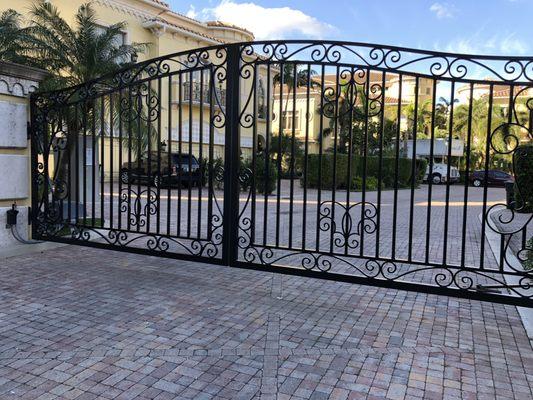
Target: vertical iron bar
<point>189,172</point>
<point>279,155</point>
<point>169,154</point>
<point>130,114</point>
<point>380,161</point>
<point>397,167</point>
<point>365,156</point>
<point>69,166</point>
<point>77,165</point>
<point>93,161</point>
<point>151,175</point>
<point>320,140</point>
<point>448,177</point>
<point>140,170</point>
<point>335,140</point>
<point>293,148</point>
<point>306,153</point>
<point>467,173</point>
<point>351,104</point>
<point>413,173</point>
<point>267,155</point>
<point>120,148</point>
<point>85,112</point>
<point>180,149</point>
<point>232,149</point>
<point>212,94</point>
<point>430,170</point>
<point>102,158</point>
<point>254,180</point>
<point>200,155</point>
<point>111,158</point>
<point>159,172</point>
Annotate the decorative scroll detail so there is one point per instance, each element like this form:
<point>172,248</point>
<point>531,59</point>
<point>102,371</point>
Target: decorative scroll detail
<point>393,59</point>
<point>346,233</point>
<point>138,209</point>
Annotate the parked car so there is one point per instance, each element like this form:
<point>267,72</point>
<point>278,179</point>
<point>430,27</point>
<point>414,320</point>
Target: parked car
<point>184,169</point>
<point>494,178</point>
<point>439,174</point>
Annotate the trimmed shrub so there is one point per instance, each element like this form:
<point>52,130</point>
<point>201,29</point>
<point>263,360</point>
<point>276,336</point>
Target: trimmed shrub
<point>357,168</point>
<point>265,179</point>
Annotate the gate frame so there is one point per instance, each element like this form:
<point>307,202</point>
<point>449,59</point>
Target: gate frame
<point>231,211</point>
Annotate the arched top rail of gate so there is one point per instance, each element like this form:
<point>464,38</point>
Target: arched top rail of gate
<point>477,69</point>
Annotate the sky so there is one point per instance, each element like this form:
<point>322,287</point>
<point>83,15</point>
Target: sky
<point>501,27</point>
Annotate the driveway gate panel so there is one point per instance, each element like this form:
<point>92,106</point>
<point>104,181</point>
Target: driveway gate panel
<point>343,161</point>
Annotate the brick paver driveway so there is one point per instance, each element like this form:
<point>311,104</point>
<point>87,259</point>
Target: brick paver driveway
<point>84,323</point>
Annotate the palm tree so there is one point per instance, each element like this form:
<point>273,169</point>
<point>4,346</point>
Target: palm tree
<point>287,76</point>
<point>443,110</point>
<point>73,55</point>
<point>478,126</point>
<point>12,36</point>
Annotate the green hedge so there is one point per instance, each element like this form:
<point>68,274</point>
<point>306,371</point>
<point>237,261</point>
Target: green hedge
<point>523,171</point>
<point>265,182</point>
<point>357,167</point>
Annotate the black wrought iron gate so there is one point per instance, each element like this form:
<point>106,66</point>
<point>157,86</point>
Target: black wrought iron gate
<point>344,161</point>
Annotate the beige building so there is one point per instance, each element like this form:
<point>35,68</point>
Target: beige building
<point>293,113</point>
<point>168,32</point>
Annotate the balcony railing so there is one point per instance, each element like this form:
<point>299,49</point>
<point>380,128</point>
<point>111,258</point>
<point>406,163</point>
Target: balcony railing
<point>201,94</point>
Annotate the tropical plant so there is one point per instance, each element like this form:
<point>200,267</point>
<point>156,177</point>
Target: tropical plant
<point>12,37</point>
<point>292,77</point>
<point>77,54</point>
<point>354,124</point>
<point>287,150</point>
<point>479,130</point>
<point>73,55</point>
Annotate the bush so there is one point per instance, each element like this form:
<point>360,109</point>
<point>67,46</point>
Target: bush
<point>357,167</point>
<point>265,180</point>
<point>217,165</point>
<point>523,171</point>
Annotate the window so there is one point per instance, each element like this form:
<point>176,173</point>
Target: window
<point>120,40</point>
<point>290,117</point>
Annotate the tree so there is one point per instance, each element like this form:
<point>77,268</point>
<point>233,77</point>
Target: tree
<point>304,76</point>
<point>478,123</point>
<point>281,148</point>
<point>348,114</point>
<point>73,55</point>
<point>12,37</point>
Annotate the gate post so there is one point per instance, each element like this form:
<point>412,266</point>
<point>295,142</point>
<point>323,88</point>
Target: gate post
<point>231,156</point>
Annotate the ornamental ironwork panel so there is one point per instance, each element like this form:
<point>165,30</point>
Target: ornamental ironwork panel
<point>354,162</point>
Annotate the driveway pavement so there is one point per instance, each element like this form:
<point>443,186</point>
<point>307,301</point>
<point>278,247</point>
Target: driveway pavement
<point>80,323</point>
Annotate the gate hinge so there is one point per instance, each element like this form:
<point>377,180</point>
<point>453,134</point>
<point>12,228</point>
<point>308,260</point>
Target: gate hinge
<point>28,131</point>
<point>29,215</point>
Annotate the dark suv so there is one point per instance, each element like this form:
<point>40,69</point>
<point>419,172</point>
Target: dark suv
<point>494,178</point>
<point>184,169</point>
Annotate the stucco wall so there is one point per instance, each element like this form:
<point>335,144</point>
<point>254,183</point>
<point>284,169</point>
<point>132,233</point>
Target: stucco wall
<point>16,84</point>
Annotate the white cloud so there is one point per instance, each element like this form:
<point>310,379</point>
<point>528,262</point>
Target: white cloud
<point>512,45</point>
<point>499,44</point>
<point>192,12</point>
<point>443,10</point>
<point>269,23</point>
